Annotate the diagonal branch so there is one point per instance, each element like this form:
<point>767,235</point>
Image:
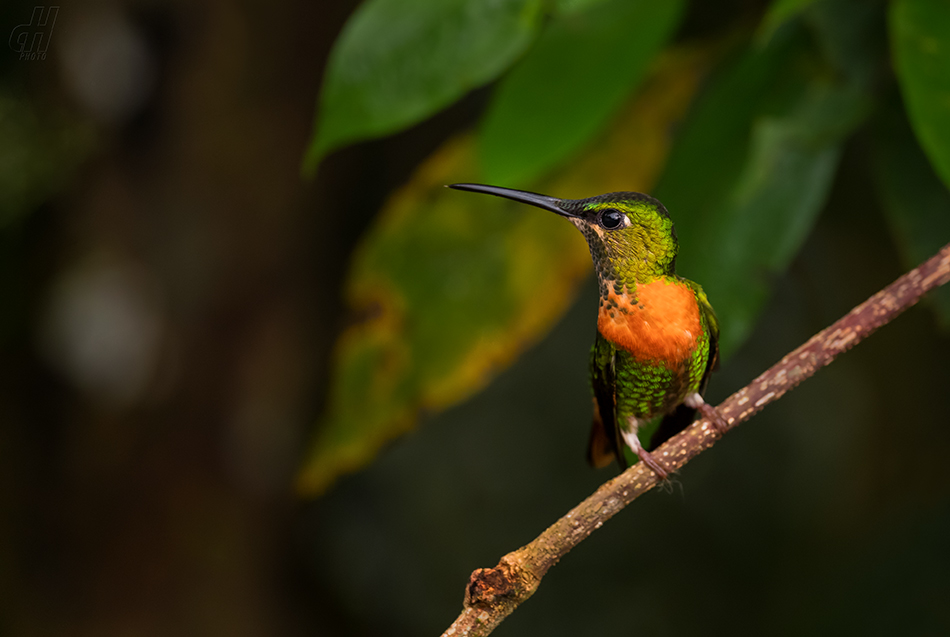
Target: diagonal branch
<point>493,593</point>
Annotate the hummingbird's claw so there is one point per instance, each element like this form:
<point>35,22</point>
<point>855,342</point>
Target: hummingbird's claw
<point>647,458</point>
<point>630,437</point>
<point>708,412</point>
<point>712,414</point>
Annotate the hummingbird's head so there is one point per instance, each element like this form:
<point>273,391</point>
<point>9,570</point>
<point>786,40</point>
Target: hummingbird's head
<point>630,235</point>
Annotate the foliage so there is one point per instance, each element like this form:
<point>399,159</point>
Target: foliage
<point>920,36</point>
<point>398,61</point>
<point>451,288</point>
<point>578,74</point>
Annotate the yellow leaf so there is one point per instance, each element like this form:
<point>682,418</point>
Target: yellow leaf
<point>452,288</point>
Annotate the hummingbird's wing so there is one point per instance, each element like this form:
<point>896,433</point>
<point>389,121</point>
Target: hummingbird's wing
<point>712,327</point>
<point>683,416</point>
<point>605,441</point>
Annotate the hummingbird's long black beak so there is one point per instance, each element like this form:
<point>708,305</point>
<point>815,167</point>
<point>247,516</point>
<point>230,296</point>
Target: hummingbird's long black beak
<point>532,198</point>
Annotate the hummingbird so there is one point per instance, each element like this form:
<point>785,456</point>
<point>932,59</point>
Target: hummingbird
<point>657,335</point>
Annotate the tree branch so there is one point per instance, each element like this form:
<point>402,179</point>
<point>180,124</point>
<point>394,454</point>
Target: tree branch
<point>493,593</point>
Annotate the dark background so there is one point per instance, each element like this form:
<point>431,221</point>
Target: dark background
<point>168,308</point>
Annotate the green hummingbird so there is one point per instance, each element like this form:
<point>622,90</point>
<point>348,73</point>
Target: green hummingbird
<point>657,334</point>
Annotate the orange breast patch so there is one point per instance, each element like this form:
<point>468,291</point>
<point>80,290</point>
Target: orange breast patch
<point>663,324</point>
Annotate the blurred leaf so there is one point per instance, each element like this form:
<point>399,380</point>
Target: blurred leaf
<point>916,203</point>
<point>920,38</point>
<point>36,156</point>
<point>574,6</point>
<point>445,285</point>
<point>851,35</point>
<point>452,287</point>
<point>780,12</point>
<point>750,172</point>
<point>572,80</point>
<point>398,61</point>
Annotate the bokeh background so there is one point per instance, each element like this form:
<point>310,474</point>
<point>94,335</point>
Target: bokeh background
<point>170,292</point>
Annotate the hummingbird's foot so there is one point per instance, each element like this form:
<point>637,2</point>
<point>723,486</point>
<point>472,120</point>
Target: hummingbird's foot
<point>708,412</point>
<point>645,456</point>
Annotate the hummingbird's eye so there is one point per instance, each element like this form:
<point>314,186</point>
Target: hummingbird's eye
<point>611,219</point>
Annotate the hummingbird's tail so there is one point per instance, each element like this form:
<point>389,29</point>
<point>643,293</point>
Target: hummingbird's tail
<point>602,449</point>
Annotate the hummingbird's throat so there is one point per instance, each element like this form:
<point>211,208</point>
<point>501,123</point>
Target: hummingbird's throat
<point>595,237</point>
<point>657,321</point>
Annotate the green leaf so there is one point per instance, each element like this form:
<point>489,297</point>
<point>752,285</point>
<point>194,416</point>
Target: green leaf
<point>920,39</point>
<point>447,285</point>
<point>780,12</point>
<point>451,287</point>
<point>849,35</point>
<point>574,6</point>
<point>916,203</point>
<point>750,172</point>
<point>566,88</point>
<point>398,61</point>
